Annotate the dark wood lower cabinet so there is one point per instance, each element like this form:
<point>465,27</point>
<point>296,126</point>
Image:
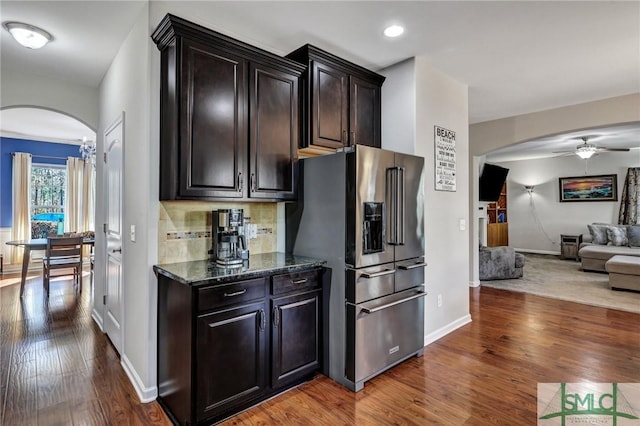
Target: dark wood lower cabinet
<point>223,347</point>
<point>295,338</point>
<point>231,358</point>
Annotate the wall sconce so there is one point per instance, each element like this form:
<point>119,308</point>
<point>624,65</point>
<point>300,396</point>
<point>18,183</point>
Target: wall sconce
<point>529,188</point>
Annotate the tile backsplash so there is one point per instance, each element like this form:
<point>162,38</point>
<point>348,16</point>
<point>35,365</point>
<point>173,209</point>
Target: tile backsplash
<point>184,229</point>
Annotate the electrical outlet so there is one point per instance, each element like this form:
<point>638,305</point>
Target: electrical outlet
<point>252,231</point>
<point>439,301</point>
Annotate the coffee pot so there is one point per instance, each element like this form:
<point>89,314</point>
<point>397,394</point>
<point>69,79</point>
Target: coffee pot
<point>229,244</point>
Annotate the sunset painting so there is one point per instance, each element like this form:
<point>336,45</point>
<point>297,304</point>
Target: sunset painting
<point>589,188</point>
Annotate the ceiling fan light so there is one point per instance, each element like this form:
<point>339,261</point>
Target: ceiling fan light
<point>586,151</point>
<point>27,35</point>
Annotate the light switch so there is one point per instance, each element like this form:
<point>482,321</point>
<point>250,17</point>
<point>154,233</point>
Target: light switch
<point>463,224</point>
<point>132,233</point>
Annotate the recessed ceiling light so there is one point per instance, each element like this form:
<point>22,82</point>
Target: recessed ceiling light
<point>28,35</point>
<point>393,31</point>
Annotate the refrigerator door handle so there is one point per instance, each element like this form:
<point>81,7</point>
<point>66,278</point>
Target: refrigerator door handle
<point>378,274</point>
<point>400,203</point>
<point>414,266</point>
<point>392,187</point>
<point>394,303</point>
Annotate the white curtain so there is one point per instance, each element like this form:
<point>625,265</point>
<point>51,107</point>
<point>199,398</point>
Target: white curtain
<point>88,196</point>
<point>21,205</point>
<point>73,195</point>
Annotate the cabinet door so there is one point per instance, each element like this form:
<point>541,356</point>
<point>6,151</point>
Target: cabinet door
<point>213,135</point>
<point>231,358</point>
<point>295,337</point>
<point>274,135</point>
<point>329,108</point>
<point>365,113</point>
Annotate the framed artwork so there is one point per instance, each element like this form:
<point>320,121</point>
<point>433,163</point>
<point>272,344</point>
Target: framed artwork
<point>589,188</point>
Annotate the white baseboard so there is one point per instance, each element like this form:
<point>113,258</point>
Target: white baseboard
<point>554,253</point>
<point>145,395</point>
<point>98,319</point>
<point>474,283</point>
<point>443,331</point>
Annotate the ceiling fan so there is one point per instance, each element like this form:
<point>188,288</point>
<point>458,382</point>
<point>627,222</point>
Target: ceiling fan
<point>585,150</point>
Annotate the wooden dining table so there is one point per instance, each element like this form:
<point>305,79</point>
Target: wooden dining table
<point>35,244</point>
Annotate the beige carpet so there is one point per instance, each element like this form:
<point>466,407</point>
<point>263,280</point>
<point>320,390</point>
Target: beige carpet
<point>549,276</point>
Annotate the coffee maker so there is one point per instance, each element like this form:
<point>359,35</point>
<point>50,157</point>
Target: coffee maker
<point>229,245</point>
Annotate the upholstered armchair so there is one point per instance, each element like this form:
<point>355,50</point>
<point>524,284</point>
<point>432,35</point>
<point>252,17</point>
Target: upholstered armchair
<point>500,263</point>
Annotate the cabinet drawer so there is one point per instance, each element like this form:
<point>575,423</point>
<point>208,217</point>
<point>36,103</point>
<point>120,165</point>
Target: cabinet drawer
<point>231,294</point>
<point>296,281</point>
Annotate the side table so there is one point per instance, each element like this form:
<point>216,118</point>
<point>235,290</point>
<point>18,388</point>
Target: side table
<point>569,246</point>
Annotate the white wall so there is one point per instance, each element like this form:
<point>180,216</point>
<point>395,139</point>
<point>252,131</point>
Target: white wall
<point>415,98</point>
<point>127,87</point>
<point>531,217</point>
<point>25,89</point>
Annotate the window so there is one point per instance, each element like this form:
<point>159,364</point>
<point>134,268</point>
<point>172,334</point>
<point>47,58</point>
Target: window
<point>47,198</point>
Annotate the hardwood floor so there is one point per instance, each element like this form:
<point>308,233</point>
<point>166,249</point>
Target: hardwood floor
<point>56,367</point>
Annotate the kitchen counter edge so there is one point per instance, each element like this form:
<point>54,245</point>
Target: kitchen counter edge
<point>198,272</point>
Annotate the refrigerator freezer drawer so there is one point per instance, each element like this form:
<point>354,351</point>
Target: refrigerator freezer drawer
<point>409,273</point>
<point>369,283</point>
<point>382,332</point>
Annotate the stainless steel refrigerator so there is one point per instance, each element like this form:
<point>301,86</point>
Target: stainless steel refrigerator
<point>362,210</point>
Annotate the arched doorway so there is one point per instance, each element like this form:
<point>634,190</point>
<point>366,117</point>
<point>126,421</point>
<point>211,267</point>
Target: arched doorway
<point>50,137</point>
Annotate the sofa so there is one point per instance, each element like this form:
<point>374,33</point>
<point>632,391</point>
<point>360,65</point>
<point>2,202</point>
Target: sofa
<point>605,241</point>
<point>500,263</point>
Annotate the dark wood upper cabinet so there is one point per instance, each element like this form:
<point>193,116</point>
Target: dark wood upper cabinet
<point>330,106</point>
<point>342,102</point>
<point>229,117</point>
<point>213,134</point>
<point>274,112</point>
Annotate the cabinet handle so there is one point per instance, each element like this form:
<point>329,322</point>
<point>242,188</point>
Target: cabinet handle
<point>300,281</point>
<point>353,138</point>
<point>237,293</point>
<point>263,319</point>
<point>344,137</point>
<point>253,182</point>
<point>276,316</point>
<point>240,182</point>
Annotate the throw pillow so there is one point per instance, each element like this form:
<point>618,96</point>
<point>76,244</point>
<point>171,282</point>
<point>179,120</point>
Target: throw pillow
<point>598,234</point>
<point>633,232</point>
<point>617,236</point>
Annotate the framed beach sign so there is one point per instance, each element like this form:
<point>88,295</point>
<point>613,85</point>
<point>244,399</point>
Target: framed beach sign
<point>589,188</point>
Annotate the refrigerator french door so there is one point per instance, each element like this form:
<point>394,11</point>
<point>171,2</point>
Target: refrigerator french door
<point>385,207</point>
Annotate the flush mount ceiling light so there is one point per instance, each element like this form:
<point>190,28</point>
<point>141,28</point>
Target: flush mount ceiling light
<point>28,35</point>
<point>393,31</point>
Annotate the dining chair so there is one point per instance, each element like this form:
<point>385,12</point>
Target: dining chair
<point>62,254</point>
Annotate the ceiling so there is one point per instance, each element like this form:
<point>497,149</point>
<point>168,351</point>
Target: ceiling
<point>516,57</point>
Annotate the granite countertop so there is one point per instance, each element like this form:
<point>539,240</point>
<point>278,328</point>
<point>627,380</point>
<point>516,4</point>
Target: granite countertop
<point>200,271</point>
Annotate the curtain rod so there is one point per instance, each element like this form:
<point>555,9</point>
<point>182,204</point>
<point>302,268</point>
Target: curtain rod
<point>43,156</point>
